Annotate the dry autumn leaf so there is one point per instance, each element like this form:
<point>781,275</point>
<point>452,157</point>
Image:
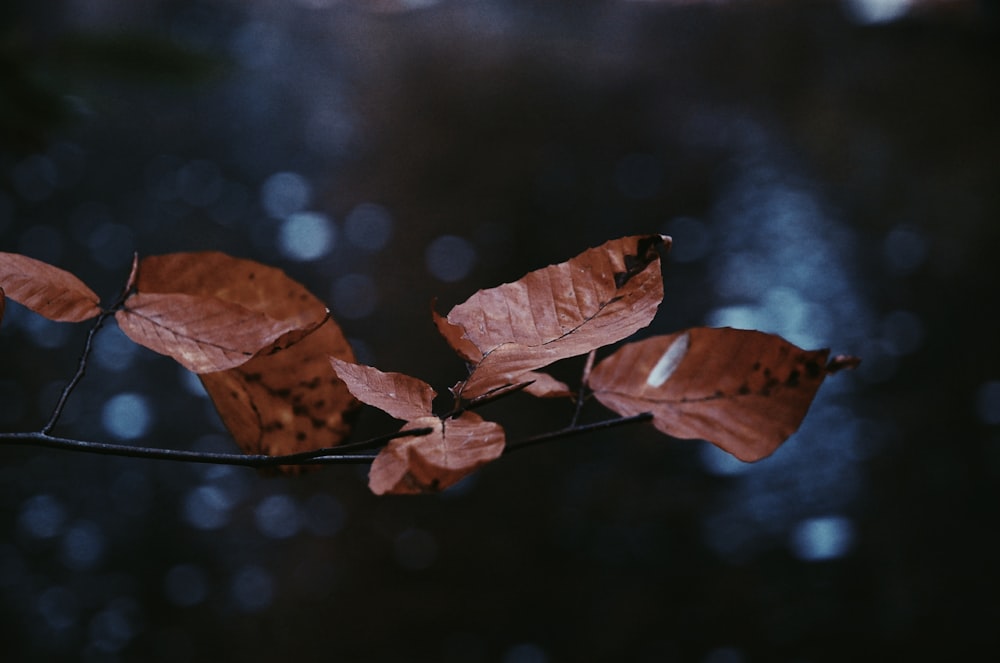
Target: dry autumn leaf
<point>288,401</point>
<point>204,334</point>
<point>599,297</point>
<point>398,395</point>
<point>212,312</point>
<point>48,291</point>
<point>433,462</point>
<point>544,385</point>
<point>278,395</point>
<point>744,391</point>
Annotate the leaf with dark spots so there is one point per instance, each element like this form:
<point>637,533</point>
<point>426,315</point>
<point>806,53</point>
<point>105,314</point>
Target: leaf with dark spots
<point>709,384</point>
<point>290,401</point>
<point>48,291</point>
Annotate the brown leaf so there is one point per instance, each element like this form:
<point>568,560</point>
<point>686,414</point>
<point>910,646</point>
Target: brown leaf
<point>49,291</point>
<point>240,281</point>
<point>203,334</point>
<point>288,401</point>
<point>433,462</point>
<point>212,312</point>
<point>599,297</point>
<point>744,391</point>
<point>398,395</point>
<point>544,385</point>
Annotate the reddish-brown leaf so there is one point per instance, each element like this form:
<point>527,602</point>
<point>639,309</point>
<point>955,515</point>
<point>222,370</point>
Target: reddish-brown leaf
<point>204,334</point>
<point>49,291</point>
<point>599,297</point>
<point>744,391</point>
<point>212,312</point>
<point>245,282</point>
<point>544,385</point>
<point>433,462</point>
<point>287,401</point>
<point>398,395</point>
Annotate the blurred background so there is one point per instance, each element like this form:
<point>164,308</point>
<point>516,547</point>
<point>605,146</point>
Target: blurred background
<point>828,171</point>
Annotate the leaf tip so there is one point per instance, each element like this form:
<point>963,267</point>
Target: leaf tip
<point>842,362</point>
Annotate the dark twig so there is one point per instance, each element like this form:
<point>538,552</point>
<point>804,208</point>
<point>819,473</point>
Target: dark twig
<point>81,370</point>
<point>581,395</point>
<point>577,430</point>
<point>357,453</point>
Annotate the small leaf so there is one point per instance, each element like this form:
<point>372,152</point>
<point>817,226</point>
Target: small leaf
<point>744,391</point>
<point>398,395</point>
<point>287,401</point>
<point>203,334</point>
<point>597,298</point>
<point>544,385</point>
<point>48,291</point>
<point>433,462</point>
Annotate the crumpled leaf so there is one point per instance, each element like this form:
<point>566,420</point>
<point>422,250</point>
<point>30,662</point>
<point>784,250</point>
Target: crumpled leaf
<point>433,462</point>
<point>288,401</point>
<point>48,291</point>
<point>599,297</point>
<point>744,391</point>
<point>212,312</point>
<point>396,394</point>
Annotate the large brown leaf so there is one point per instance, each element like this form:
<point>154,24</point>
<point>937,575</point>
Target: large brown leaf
<point>287,401</point>
<point>428,463</point>
<point>744,391</point>
<point>599,297</point>
<point>398,395</point>
<point>49,291</point>
<point>282,398</point>
<point>211,311</point>
<point>202,333</point>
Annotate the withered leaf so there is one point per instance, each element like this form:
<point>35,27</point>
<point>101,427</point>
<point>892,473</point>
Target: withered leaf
<point>433,462</point>
<point>599,297</point>
<point>202,333</point>
<point>287,401</point>
<point>49,291</point>
<point>211,311</point>
<point>398,395</point>
<point>744,391</point>
<point>284,398</point>
<point>544,385</point>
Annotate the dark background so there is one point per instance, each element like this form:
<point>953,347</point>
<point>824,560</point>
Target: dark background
<point>828,173</point>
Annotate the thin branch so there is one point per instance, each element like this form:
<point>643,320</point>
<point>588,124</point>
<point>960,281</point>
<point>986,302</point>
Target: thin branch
<point>332,455</point>
<point>81,370</point>
<point>577,430</point>
<point>581,395</point>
